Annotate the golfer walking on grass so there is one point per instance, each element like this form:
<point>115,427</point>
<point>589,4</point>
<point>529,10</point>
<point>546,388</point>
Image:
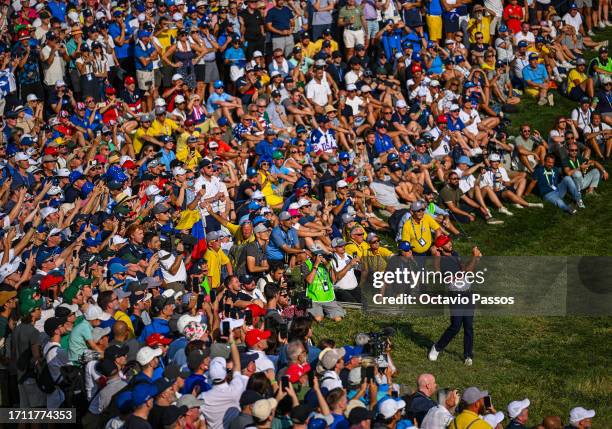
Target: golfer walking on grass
<point>447,261</point>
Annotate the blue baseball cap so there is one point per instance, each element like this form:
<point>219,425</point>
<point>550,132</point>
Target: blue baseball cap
<point>142,393</point>
<point>92,242</point>
<point>465,160</point>
<point>404,148</point>
<point>540,39</point>
<point>392,157</point>
<point>459,59</point>
<point>87,188</point>
<point>503,28</point>
<point>301,182</point>
<point>317,423</point>
<point>244,219</point>
<point>74,176</point>
<point>431,44</point>
<point>222,121</point>
<point>251,172</point>
<point>258,220</point>
<point>26,141</point>
<point>143,33</point>
<point>219,84</point>
<point>573,6</point>
<point>116,268</point>
<point>253,206</point>
<point>533,56</point>
<point>522,44</point>
<point>344,155</point>
<point>407,45</point>
<point>404,246</point>
<point>469,84</point>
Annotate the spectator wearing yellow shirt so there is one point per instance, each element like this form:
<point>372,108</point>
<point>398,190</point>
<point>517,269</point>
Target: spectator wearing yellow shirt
<point>357,245</point>
<point>418,229</point>
<point>375,248</point>
<point>309,48</point>
<point>578,83</point>
<point>167,37</point>
<point>187,147</point>
<point>121,314</point>
<point>470,416</point>
<point>480,23</point>
<point>327,35</point>
<point>142,136</point>
<point>242,233</point>
<point>216,260</point>
<point>163,126</point>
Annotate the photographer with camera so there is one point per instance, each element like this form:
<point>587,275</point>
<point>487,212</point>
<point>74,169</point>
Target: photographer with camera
<point>319,286</point>
<point>346,284</point>
<point>173,262</point>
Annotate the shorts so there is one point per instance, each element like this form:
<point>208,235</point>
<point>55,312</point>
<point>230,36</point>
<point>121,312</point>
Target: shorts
<point>330,309</point>
<point>157,77</point>
<point>167,73</point>
<point>584,3</point>
<point>434,24</point>
<point>353,37</point>
<point>577,93</point>
<point>30,396</point>
<point>532,92</point>
<point>211,72</point>
<point>199,70</point>
<point>144,79</point>
<point>451,25</point>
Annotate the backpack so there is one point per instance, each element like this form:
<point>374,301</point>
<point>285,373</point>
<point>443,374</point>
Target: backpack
<point>45,381</point>
<point>73,386</point>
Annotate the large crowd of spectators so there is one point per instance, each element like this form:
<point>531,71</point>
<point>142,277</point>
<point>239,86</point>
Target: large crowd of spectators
<point>187,186</point>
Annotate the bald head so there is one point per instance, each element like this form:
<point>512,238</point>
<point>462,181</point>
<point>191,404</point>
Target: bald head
<point>427,384</point>
<point>120,331</point>
<point>552,422</point>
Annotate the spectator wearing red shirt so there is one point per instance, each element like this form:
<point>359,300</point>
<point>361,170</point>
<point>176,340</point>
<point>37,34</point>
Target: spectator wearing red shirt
<point>513,16</point>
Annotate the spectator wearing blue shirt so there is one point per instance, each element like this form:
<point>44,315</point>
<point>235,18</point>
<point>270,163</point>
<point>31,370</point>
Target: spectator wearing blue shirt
<point>122,36</point>
<point>279,22</point>
<point>219,99</point>
<point>391,38</point>
<point>284,239</point>
<point>197,362</point>
<point>162,309</point>
<point>383,142</point>
<point>454,123</point>
<point>266,147</point>
<point>57,9</point>
<point>536,81</point>
<point>553,187</point>
<point>145,54</point>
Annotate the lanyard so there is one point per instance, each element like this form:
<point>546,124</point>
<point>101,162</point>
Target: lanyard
<point>572,163</point>
<point>549,173</point>
<point>414,230</point>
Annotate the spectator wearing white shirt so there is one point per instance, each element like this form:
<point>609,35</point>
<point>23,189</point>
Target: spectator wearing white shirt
<point>318,90</point>
<point>222,402</point>
<point>56,358</point>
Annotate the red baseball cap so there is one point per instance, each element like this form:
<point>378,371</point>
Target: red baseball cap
<point>442,119</point>
<point>442,240</point>
<point>50,280</point>
<point>295,371</point>
<point>129,80</point>
<point>256,310</point>
<point>256,335</point>
<point>157,339</point>
<point>416,67</point>
<point>129,164</point>
<point>110,90</point>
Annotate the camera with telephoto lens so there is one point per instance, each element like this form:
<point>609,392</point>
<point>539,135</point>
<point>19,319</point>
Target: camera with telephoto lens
<point>378,342</point>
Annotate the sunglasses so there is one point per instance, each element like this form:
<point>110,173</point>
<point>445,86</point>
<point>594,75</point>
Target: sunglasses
<point>265,163</point>
<point>375,242</point>
<point>293,152</point>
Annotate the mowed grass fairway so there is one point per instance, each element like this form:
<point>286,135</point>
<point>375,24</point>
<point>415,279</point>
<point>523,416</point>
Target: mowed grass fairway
<point>556,362</point>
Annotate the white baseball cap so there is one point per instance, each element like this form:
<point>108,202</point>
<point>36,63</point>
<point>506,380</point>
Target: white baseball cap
<point>62,172</point>
<point>147,354</point>
<point>160,102</point>
<point>494,419</point>
<point>217,368</point>
<point>179,99</point>
<point>234,323</point>
<point>9,268</point>
<point>176,76</point>
<point>400,104</point>
<point>390,406</point>
<point>257,195</point>
<point>257,54</point>
<point>32,97</point>
<point>117,239</point>
<point>46,211</point>
<point>578,414</point>
<point>516,407</point>
<point>94,312</point>
<point>21,156</point>
<point>351,87</point>
<point>177,171</point>
<point>185,320</point>
<point>341,184</point>
<point>263,408</point>
<point>152,190</point>
<point>303,202</point>
<point>494,157</point>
